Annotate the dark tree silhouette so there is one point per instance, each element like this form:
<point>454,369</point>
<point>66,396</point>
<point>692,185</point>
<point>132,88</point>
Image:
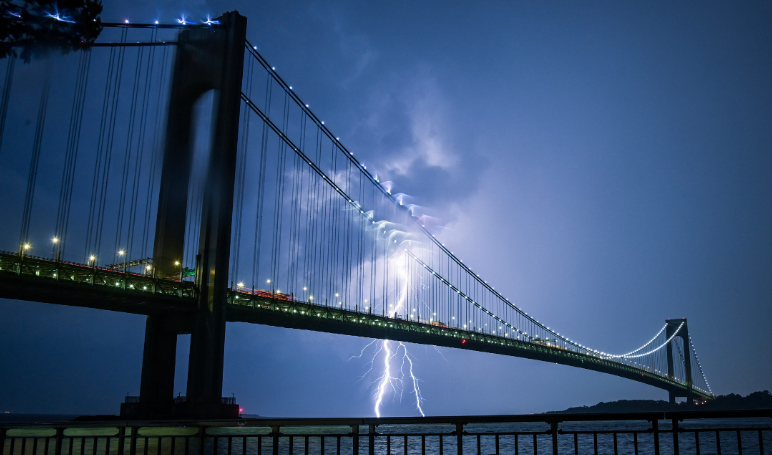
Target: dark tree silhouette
<point>36,27</point>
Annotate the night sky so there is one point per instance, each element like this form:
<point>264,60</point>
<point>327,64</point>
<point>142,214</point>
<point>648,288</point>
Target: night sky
<point>604,165</point>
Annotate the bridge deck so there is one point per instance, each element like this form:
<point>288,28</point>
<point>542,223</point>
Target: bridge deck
<point>49,281</point>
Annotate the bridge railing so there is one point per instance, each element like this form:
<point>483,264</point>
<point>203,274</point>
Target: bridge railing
<point>87,274</point>
<point>51,270</point>
<point>287,305</point>
<point>745,432</point>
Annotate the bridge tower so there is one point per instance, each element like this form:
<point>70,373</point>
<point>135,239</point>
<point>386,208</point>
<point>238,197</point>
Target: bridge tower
<point>672,327</point>
<point>206,59</point>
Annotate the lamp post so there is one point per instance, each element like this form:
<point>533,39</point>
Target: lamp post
<point>22,248</point>
<point>92,263</point>
<point>121,254</point>
<point>55,251</point>
<point>179,265</point>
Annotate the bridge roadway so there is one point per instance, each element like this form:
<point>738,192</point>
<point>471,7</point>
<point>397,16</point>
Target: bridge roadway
<point>45,280</point>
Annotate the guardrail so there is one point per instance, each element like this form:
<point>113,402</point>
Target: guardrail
<point>738,432</point>
<point>282,304</point>
<point>71,272</point>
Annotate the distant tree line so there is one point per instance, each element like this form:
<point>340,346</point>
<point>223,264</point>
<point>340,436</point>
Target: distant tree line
<point>31,28</point>
<point>755,400</point>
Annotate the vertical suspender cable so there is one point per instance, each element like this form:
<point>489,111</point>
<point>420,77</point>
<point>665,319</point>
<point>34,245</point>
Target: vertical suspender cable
<point>109,147</point>
<point>128,154</point>
<point>279,201</point>
<point>6,95</point>
<point>139,161</point>
<point>35,160</point>
<point>104,150</point>
<point>156,157</point>
<point>241,176</point>
<point>261,190</point>
<point>71,153</point>
<point>97,161</point>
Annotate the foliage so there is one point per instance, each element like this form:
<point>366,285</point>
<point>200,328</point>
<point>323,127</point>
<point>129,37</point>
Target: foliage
<point>755,400</point>
<point>36,27</point>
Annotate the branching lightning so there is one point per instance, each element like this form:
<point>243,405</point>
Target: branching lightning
<point>393,379</point>
<point>416,389</point>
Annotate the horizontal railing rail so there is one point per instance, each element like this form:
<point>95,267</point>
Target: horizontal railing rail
<point>690,432</point>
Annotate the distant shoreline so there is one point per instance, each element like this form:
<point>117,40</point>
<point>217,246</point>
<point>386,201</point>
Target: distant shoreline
<point>731,402</point>
<point>12,417</point>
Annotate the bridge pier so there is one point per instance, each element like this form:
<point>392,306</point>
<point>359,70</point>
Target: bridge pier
<point>206,59</point>
<point>158,364</point>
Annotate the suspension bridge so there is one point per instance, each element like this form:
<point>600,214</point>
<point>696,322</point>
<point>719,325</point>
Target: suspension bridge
<point>169,171</point>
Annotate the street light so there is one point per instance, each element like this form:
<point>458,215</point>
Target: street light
<point>54,247</point>
<point>22,248</point>
<point>179,264</point>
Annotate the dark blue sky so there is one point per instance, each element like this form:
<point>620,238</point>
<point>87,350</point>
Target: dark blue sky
<point>604,165</point>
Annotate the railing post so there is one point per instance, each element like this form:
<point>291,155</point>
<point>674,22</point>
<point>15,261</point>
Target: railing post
<point>460,438</point>
<point>354,439</point>
<point>275,438</point>
<point>655,429</point>
<point>554,431</point>
<point>58,442</point>
<point>121,440</point>
<point>675,436</point>
<point>201,440</point>
<point>371,439</point>
<point>133,440</point>
<point>2,440</point>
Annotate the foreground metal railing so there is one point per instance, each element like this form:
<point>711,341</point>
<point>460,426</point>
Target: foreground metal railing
<point>737,432</point>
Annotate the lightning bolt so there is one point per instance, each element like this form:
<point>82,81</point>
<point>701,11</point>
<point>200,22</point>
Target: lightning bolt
<point>416,389</point>
<point>393,379</point>
<point>386,378</point>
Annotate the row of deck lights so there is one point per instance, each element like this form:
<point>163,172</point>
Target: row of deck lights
<point>25,247</point>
